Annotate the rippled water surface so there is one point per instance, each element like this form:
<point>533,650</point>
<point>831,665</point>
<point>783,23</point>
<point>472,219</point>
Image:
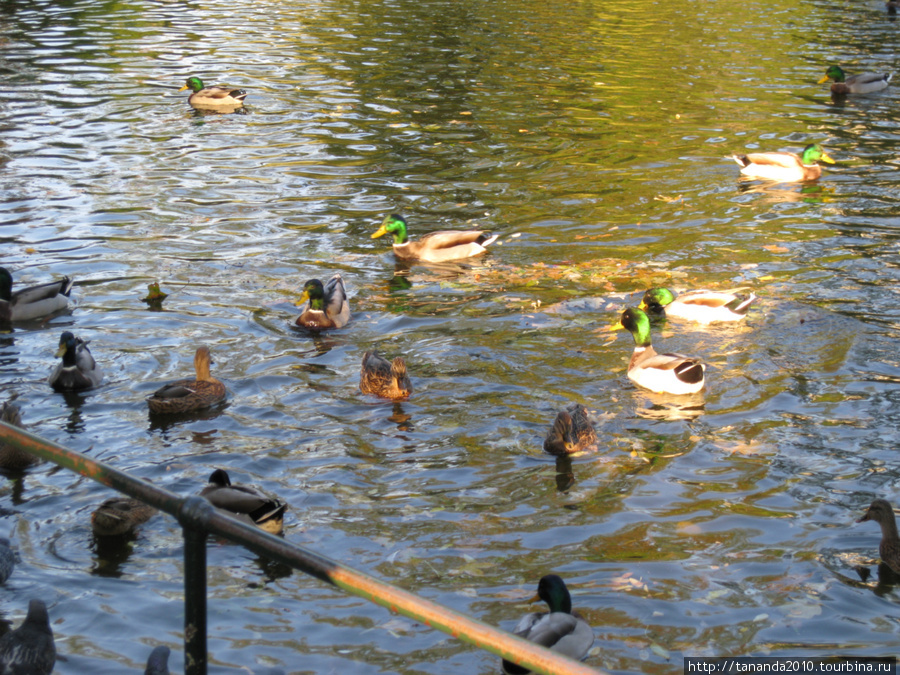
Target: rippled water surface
<point>592,137</point>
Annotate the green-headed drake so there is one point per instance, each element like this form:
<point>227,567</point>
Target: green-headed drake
<point>32,302</point>
<point>784,167</point>
<point>213,97</point>
<point>861,83</point>
<point>78,369</point>
<point>699,306</point>
<point>437,246</point>
<point>326,305</point>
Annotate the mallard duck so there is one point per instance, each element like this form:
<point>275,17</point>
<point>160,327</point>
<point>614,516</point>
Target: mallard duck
<point>120,515</point>
<point>32,302</point>
<point>78,369</point>
<point>699,306</point>
<point>572,432</point>
<point>189,394</point>
<point>662,373</point>
<point>326,306</point>
<point>248,504</point>
<point>784,167</point>
<point>7,559</point>
<point>881,512</point>
<point>384,378</point>
<point>11,457</point>
<point>158,661</point>
<point>437,246</point>
<point>861,83</point>
<point>213,97</point>
<point>560,630</point>
<point>29,649</point>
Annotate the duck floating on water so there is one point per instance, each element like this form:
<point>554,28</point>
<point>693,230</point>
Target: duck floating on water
<point>326,305</point>
<point>784,167</point>
<point>889,549</point>
<point>435,247</point>
<point>861,83</point>
<point>698,306</point>
<point>197,393</point>
<point>384,378</point>
<point>572,432</point>
<point>213,97</point>
<point>246,503</point>
<point>78,369</point>
<point>32,302</point>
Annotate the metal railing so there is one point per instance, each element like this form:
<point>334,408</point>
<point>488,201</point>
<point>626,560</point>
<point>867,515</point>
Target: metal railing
<point>198,518</point>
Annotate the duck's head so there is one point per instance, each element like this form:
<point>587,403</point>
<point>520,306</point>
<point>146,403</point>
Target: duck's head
<point>394,224</point>
<point>656,299</point>
<point>202,359</point>
<point>314,291</point>
<point>5,284</point>
<point>813,152</point>
<point>835,73</point>
<point>880,511</point>
<point>552,590</point>
<point>193,83</point>
<point>67,345</point>
<point>220,479</point>
<point>636,322</point>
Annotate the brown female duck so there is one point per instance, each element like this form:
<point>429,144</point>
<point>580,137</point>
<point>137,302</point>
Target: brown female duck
<point>12,458</point>
<point>384,378</point>
<point>572,432</point>
<point>189,394</point>
<point>881,512</point>
<point>120,515</point>
<point>245,503</point>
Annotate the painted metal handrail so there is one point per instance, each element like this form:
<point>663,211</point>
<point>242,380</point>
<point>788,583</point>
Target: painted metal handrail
<point>198,518</point>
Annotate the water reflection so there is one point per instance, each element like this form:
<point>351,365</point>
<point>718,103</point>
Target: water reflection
<point>110,554</point>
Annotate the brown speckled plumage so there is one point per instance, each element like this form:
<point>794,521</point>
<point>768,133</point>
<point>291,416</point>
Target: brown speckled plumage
<point>384,378</point>
<point>189,394</point>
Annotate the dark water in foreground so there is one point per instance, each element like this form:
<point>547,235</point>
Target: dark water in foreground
<point>589,135</point>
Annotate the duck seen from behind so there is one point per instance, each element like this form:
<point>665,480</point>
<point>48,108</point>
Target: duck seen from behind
<point>889,549</point>
<point>784,167</point>
<point>158,661</point>
<point>699,306</point>
<point>572,432</point>
<point>246,503</point>
<point>120,515</point>
<point>78,369</point>
<point>197,393</point>
<point>326,305</point>
<point>32,302</point>
<point>861,83</point>
<point>435,247</point>
<point>213,97</point>
<point>384,378</point>
<point>29,649</point>
<point>560,630</point>
<point>663,373</point>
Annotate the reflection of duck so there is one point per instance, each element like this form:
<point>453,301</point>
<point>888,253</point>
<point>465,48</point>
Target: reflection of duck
<point>861,83</point>
<point>78,369</point>
<point>663,373</point>
<point>699,306</point>
<point>158,661</point>
<point>437,246</point>
<point>189,394</point>
<point>213,97</point>
<point>881,512</point>
<point>560,629</point>
<point>10,456</point>
<point>572,432</point>
<point>119,515</point>
<point>327,306</point>
<point>29,649</point>
<point>784,167</point>
<point>32,302</point>
<point>384,378</point>
<point>248,504</point>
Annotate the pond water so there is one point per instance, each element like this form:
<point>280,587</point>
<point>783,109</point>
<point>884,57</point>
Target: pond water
<point>592,137</point>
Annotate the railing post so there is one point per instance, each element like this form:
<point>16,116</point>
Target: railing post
<point>193,513</point>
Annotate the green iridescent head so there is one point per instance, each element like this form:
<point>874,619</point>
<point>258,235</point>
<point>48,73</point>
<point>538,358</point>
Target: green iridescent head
<point>394,224</point>
<point>656,299</point>
<point>813,152</point>
<point>636,322</point>
<point>314,291</point>
<point>195,84</point>
<point>835,73</point>
<point>552,590</point>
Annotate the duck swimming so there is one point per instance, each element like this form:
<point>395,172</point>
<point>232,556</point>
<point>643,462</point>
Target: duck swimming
<point>326,305</point>
<point>120,515</point>
<point>698,306</point>
<point>861,83</point>
<point>437,246</point>
<point>32,302</point>
<point>78,369</point>
<point>213,97</point>
<point>384,378</point>
<point>889,549</point>
<point>246,503</point>
<point>784,167</point>
<point>197,393</point>
<point>572,432</point>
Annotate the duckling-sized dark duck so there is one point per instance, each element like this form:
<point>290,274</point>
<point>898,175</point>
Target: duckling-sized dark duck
<point>246,503</point>
<point>213,97</point>
<point>11,458</point>
<point>572,432</point>
<point>881,512</point>
<point>326,305</point>
<point>384,378</point>
<point>189,394</point>
<point>158,661</point>
<point>32,302</point>
<point>120,515</point>
<point>29,649</point>
<point>559,630</point>
<point>78,369</point>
